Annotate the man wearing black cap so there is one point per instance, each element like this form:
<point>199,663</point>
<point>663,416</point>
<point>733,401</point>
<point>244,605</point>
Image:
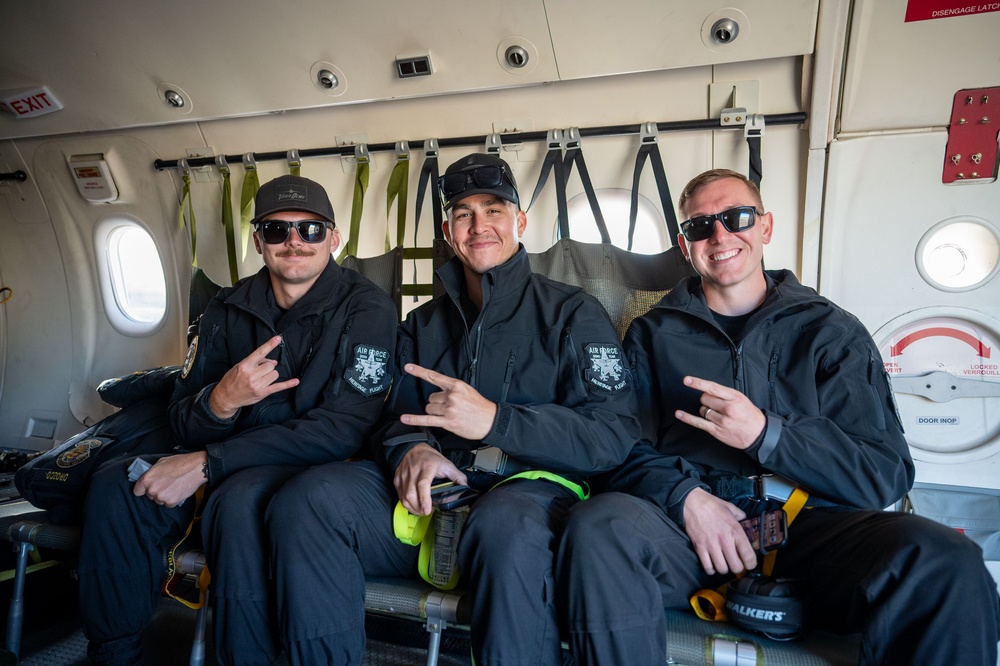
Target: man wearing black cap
<point>509,383</point>
<point>289,369</point>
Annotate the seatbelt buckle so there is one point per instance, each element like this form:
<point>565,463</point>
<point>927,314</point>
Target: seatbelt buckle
<point>754,127</point>
<point>774,486</point>
<point>489,459</point>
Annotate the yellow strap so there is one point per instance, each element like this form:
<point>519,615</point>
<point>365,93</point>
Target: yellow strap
<point>203,577</point>
<point>792,506</point>
<point>408,527</point>
<point>251,183</point>
<point>186,204</point>
<point>711,604</point>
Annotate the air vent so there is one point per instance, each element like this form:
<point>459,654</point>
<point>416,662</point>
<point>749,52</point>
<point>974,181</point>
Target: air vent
<point>407,68</point>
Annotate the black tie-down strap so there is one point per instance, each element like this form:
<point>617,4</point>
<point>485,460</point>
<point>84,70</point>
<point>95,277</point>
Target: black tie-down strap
<point>648,147</point>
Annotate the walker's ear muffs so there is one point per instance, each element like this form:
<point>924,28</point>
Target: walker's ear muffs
<point>767,605</point>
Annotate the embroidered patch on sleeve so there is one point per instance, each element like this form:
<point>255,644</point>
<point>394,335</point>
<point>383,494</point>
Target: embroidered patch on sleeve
<point>189,359</point>
<point>368,374</point>
<point>606,370</point>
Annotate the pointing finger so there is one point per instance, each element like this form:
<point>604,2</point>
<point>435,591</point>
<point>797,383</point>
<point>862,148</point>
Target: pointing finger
<point>435,378</point>
<point>261,352</point>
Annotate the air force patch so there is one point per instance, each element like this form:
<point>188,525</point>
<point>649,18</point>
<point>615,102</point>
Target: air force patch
<point>368,375</point>
<point>189,359</point>
<point>606,370</point>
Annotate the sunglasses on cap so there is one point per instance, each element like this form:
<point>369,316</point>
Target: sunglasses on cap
<point>453,184</point>
<point>273,232</point>
<point>734,220</point>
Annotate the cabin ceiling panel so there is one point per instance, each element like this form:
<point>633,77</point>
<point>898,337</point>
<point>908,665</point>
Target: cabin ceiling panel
<point>597,38</point>
<point>903,75</point>
<point>109,62</point>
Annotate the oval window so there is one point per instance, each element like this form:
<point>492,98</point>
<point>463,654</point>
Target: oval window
<point>959,254</point>
<point>650,235</point>
<point>133,284</point>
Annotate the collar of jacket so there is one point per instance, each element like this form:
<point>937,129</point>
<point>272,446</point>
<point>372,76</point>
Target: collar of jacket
<point>783,290</point>
<point>499,281</point>
<point>253,292</point>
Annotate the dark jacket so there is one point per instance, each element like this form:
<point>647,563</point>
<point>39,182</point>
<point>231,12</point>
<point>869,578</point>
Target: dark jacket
<point>545,352</point>
<point>338,340</point>
<point>832,425</point>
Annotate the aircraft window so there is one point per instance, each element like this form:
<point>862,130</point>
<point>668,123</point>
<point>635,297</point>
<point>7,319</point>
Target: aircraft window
<point>959,254</point>
<point>650,230</point>
<point>132,280</point>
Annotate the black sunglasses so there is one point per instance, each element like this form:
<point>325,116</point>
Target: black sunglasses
<point>273,232</point>
<point>453,184</point>
<point>734,220</point>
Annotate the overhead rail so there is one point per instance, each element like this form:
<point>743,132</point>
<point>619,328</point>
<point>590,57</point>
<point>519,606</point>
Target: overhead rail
<point>513,137</point>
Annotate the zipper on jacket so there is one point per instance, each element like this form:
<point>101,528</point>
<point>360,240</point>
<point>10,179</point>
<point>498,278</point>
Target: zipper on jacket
<point>875,370</point>
<point>507,376</point>
<point>772,375</point>
<point>341,354</point>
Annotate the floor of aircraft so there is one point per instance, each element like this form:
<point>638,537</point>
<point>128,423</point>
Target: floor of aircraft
<point>169,637</point>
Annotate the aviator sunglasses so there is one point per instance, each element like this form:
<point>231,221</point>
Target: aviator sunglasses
<point>273,232</point>
<point>453,184</point>
<point>734,220</point>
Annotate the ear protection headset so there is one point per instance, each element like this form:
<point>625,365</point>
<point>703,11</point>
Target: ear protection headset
<point>767,605</point>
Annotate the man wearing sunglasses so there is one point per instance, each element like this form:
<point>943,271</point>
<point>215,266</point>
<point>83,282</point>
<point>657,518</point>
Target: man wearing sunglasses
<point>743,373</point>
<point>508,378</point>
<point>289,369</point>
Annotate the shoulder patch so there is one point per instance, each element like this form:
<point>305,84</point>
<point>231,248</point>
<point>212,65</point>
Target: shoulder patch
<point>189,359</point>
<point>368,374</point>
<point>606,370</point>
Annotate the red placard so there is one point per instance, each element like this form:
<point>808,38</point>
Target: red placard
<point>972,136</point>
<point>922,10</point>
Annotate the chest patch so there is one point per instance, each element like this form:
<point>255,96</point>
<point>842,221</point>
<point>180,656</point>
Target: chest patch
<point>606,370</point>
<point>368,374</point>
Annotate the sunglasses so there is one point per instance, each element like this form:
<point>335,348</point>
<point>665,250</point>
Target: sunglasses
<point>453,184</point>
<point>273,232</point>
<point>734,220</point>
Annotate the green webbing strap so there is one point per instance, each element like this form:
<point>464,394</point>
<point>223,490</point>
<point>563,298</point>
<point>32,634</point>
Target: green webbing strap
<point>251,183</point>
<point>227,217</point>
<point>188,206</point>
<point>582,490</point>
<point>399,183</point>
<point>357,206</point>
<point>648,147</point>
<point>294,163</point>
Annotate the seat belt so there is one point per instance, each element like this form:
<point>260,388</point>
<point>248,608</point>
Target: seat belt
<point>251,183</point>
<point>574,155</point>
<point>711,604</point>
<point>174,576</point>
<point>428,179</point>
<point>649,147</point>
<point>396,190</point>
<point>188,206</point>
<point>752,132</point>
<point>554,162</point>
<point>227,216</point>
<point>361,173</point>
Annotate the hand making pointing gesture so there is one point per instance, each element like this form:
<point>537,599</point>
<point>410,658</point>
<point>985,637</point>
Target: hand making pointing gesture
<point>249,381</point>
<point>457,407</point>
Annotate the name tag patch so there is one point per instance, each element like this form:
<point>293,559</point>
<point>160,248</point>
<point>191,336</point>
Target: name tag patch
<point>368,375</point>
<point>606,370</point>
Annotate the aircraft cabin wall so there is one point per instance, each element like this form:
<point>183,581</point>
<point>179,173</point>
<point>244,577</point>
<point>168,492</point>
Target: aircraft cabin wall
<point>55,326</point>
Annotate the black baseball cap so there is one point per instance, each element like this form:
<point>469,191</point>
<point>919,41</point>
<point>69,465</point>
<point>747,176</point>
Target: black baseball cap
<point>478,173</point>
<point>292,193</point>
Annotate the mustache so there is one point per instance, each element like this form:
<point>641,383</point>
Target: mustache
<point>295,252</point>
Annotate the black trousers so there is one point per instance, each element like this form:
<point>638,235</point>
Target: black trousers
<point>332,526</point>
<point>917,591</point>
<point>121,567</point>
